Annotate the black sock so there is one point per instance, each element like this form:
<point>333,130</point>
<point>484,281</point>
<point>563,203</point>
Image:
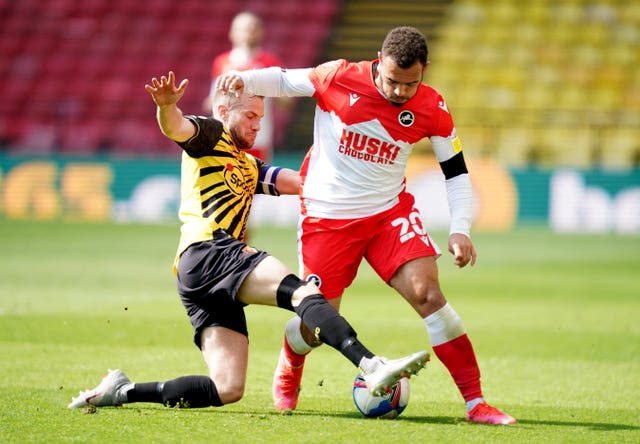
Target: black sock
<point>186,391</point>
<point>354,351</point>
<point>331,328</point>
<point>145,392</point>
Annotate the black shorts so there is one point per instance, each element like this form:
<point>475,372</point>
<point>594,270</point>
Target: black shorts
<point>209,276</point>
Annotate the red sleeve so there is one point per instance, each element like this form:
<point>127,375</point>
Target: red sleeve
<point>444,126</point>
<point>219,65</point>
<point>272,60</point>
<point>322,75</point>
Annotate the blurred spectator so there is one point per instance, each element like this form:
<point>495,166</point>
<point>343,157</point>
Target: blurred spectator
<point>246,35</point>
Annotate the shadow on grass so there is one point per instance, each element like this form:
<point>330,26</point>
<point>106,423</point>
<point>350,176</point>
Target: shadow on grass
<point>596,426</point>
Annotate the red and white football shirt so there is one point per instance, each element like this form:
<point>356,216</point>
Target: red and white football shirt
<point>356,167</point>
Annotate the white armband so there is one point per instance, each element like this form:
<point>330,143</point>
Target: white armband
<point>278,82</point>
<point>460,196</point>
<point>267,180</point>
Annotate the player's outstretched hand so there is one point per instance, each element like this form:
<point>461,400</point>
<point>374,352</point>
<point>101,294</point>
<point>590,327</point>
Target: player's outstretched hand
<point>462,249</point>
<point>230,83</point>
<point>164,91</point>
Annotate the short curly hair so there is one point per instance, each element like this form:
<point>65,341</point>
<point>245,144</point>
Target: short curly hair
<point>406,45</point>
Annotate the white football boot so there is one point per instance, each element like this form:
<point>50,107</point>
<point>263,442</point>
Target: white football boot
<point>112,391</point>
<point>386,372</point>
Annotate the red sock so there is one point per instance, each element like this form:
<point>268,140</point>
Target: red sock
<point>459,358</point>
<point>294,359</point>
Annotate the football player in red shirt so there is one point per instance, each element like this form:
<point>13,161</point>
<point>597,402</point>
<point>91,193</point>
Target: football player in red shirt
<point>355,205</point>
<point>246,35</point>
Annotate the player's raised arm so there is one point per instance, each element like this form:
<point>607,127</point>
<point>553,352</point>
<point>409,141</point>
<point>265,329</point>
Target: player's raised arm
<point>166,95</point>
<point>268,82</point>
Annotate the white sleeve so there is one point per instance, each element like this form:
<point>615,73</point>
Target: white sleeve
<point>445,147</point>
<point>278,82</point>
<point>460,196</point>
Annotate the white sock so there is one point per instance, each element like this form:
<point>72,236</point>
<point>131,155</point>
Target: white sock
<point>294,337</point>
<point>366,365</point>
<point>121,393</point>
<point>444,325</point>
<point>474,402</point>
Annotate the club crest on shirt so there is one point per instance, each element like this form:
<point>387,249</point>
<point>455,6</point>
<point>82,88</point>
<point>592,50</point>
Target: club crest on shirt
<point>406,118</point>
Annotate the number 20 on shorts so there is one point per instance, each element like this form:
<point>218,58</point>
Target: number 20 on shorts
<point>409,227</point>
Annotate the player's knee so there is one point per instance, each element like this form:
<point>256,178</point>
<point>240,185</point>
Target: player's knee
<point>231,393</point>
<point>234,396</point>
<point>425,299</point>
<point>434,296</point>
<point>288,295</point>
<point>423,291</point>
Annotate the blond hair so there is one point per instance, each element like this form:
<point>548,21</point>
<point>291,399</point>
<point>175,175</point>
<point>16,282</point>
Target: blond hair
<point>229,100</point>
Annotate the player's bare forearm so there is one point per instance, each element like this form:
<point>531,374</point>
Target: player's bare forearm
<point>462,248</point>
<point>288,181</point>
<point>173,124</point>
<point>166,96</point>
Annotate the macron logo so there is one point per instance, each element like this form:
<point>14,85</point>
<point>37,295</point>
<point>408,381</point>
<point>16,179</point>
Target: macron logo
<point>443,106</point>
<point>353,98</point>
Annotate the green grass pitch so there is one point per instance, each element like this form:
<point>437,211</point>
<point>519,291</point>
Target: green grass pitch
<point>553,318</point>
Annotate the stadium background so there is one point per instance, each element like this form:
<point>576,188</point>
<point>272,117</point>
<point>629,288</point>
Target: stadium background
<point>545,95</point>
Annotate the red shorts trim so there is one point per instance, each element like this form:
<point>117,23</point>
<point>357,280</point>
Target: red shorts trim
<point>332,249</point>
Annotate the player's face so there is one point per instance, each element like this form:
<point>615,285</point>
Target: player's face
<point>398,84</point>
<point>243,121</point>
<point>246,33</point>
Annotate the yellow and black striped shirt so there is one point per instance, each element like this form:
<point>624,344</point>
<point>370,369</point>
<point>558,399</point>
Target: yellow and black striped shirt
<point>218,182</point>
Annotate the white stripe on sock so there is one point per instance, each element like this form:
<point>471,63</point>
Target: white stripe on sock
<point>444,325</point>
<point>294,337</point>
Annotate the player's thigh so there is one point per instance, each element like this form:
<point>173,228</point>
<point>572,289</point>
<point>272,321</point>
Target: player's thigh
<point>331,253</point>
<point>226,353</point>
<point>260,286</point>
<point>417,281</point>
<point>399,239</point>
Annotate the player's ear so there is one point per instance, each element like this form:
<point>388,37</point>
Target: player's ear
<point>424,68</point>
<point>223,112</point>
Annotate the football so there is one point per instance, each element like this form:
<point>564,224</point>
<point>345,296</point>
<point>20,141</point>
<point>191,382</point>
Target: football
<point>388,406</point>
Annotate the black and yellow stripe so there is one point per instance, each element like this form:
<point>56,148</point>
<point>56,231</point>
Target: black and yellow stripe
<point>217,186</point>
